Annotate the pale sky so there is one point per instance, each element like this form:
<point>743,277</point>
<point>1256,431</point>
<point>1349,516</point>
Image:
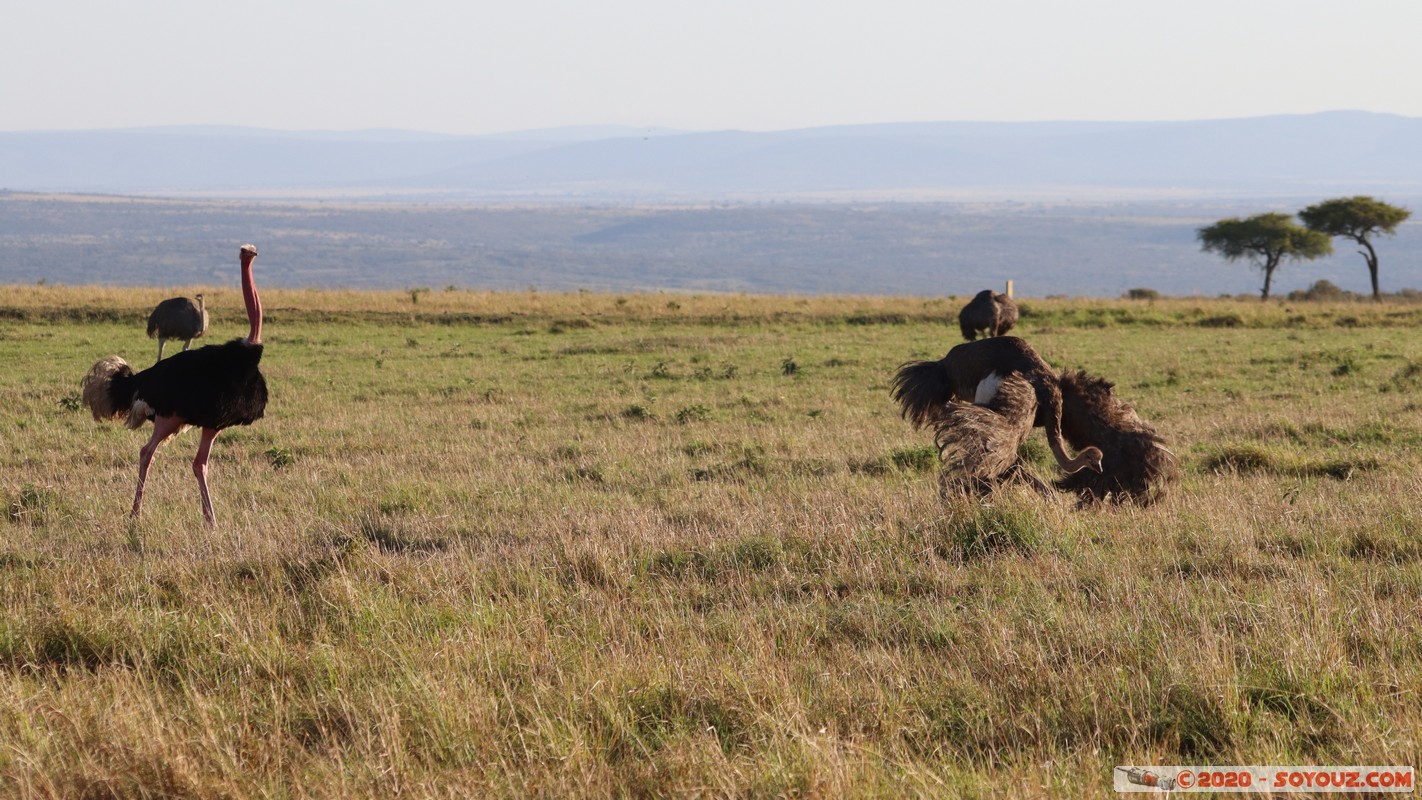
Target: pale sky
<point>475,66</point>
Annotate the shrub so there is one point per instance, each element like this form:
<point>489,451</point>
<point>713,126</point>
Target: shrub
<point>1322,291</point>
<point>637,411</point>
<point>1221,321</point>
<point>693,413</point>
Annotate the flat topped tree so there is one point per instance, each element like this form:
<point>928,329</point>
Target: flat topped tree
<point>1265,240</point>
<point>1357,218</point>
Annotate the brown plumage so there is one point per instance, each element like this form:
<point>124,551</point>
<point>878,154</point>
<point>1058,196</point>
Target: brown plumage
<point>1136,467</point>
<point>978,444</point>
<point>178,318</point>
<point>994,313</point>
<point>954,393</point>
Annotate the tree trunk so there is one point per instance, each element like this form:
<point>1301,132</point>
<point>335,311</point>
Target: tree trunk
<point>1268,276</point>
<point>1372,257</point>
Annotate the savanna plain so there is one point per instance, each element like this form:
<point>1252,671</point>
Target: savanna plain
<point>531,544</point>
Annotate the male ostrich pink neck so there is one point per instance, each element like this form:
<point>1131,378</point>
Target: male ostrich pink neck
<point>249,294</point>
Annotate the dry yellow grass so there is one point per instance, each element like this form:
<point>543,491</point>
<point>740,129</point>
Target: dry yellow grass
<point>578,544</point>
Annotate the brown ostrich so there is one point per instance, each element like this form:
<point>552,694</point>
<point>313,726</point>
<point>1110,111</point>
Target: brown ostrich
<point>992,312</point>
<point>1136,465</point>
<point>983,398</point>
<point>978,444</point>
<point>178,318</point>
<point>212,387</point>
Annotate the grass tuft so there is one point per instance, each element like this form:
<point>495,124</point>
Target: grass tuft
<point>1250,459</point>
<point>35,505</point>
<point>998,529</point>
<point>1191,723</point>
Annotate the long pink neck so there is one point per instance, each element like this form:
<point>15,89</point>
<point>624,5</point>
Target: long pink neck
<point>254,303</point>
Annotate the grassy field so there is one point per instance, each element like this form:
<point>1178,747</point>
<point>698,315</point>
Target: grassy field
<point>589,545</point>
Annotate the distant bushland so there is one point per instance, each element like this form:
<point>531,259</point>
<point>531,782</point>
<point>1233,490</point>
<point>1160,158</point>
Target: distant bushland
<point>931,250</point>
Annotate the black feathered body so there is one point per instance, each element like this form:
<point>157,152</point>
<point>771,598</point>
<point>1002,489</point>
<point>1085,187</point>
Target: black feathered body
<point>217,386</point>
<point>922,387</point>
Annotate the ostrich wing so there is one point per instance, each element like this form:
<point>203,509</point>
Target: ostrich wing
<point>978,443</point>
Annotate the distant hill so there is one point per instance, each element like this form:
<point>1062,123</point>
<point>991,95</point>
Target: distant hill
<point>1342,152</point>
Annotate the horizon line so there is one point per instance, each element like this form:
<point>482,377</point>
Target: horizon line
<point>663,130</point>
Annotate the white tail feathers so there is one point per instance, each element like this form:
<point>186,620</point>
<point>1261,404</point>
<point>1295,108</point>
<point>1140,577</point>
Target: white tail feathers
<point>97,389</point>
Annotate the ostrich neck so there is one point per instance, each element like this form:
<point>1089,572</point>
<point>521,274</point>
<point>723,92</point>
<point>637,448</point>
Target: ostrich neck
<point>1068,464</point>
<point>254,303</point>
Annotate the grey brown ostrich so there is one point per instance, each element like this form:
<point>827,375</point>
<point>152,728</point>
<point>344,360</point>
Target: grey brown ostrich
<point>178,318</point>
<point>994,313</point>
<point>212,387</point>
<point>982,399</point>
<point>978,444</point>
<point>1136,465</point>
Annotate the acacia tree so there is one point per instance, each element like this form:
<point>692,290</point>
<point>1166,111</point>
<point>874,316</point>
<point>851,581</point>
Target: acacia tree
<point>1356,218</point>
<point>1264,239</point>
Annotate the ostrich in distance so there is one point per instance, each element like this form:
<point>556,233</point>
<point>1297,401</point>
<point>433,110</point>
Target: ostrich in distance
<point>178,318</point>
<point>994,313</point>
<point>212,388</point>
<point>979,426</point>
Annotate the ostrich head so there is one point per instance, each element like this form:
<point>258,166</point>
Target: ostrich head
<point>1090,458</point>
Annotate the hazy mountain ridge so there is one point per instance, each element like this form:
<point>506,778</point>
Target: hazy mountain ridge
<point>1326,153</point>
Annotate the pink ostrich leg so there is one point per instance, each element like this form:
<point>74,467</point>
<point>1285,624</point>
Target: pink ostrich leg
<point>200,472</point>
<point>164,428</point>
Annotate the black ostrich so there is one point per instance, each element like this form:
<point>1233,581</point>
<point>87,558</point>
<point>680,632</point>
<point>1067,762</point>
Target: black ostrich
<point>178,318</point>
<point>212,388</point>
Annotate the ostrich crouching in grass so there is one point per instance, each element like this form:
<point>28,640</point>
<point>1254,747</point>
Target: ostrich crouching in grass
<point>1136,466</point>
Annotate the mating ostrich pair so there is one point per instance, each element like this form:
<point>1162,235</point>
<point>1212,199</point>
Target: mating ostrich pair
<point>983,399</point>
<point>212,388</point>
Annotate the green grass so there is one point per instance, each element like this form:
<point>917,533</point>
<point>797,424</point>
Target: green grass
<point>583,545</point>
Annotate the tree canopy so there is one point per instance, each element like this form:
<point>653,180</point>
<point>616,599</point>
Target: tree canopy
<point>1265,240</point>
<point>1357,218</point>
